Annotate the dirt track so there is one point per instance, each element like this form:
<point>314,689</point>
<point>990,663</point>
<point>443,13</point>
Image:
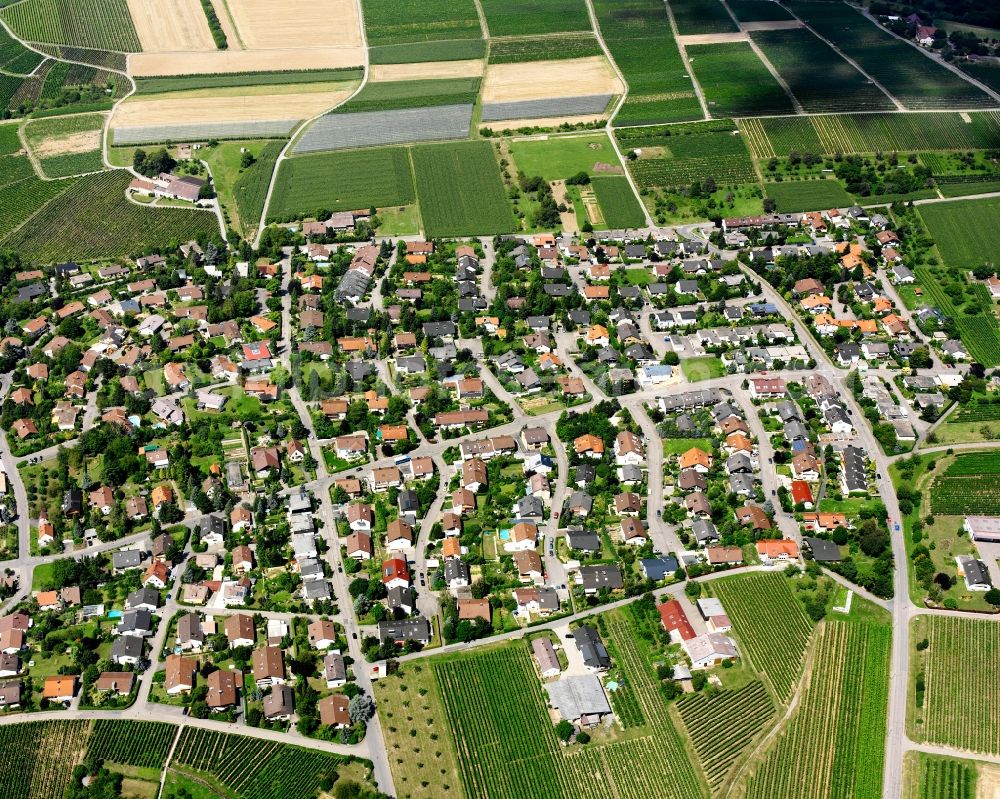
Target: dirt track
<point>171,25</point>
<point>542,79</point>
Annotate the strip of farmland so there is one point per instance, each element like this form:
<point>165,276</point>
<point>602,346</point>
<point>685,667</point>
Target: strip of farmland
<point>736,82</point>
<point>551,107</point>
<point>152,134</point>
<point>341,131</point>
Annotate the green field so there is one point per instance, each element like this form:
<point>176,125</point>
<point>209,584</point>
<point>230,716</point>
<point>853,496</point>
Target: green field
<point>965,231</point>
<point>677,155</point>
<point>936,777</point>
<point>824,81</point>
<point>15,57</point>
<point>984,73</point>
<point>758,10</point>
<point>389,22</point>
<point>619,205</point>
<point>18,201</point>
<point>834,743</point>
<point>736,82</point>
<point>543,48</point>
<point>701,16</point>
<point>777,657</point>
<point>100,24</point>
<point>414,52</point>
<point>343,181</point>
<point>46,132</point>
<point>393,95</point>
<point>250,189</point>
<point>792,196</point>
<point>14,168</point>
<point>705,367</point>
<point>900,67</point>
<point>962,660</point>
<point>560,157</point>
<point>9,141</point>
<point>969,486</point>
<point>459,190</point>
<point>641,41</point>
<point>182,83</point>
<point>530,17</point>
<point>93,219</point>
<point>964,302</point>
<point>133,743</point>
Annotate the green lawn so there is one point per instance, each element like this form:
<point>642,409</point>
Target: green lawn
<point>560,157</point>
<point>703,368</point>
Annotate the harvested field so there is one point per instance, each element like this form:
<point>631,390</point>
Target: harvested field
<point>541,79</point>
<point>543,122</point>
<point>553,107</point>
<point>774,25</point>
<point>431,69</point>
<point>712,38</point>
<point>340,131</point>
<point>224,61</point>
<point>265,24</point>
<point>68,145</point>
<point>170,25</point>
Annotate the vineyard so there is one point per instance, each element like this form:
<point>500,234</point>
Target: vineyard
<point>937,777</point>
<point>21,200</point>
<point>980,331</point>
<point>638,34</point>
<point>509,750</point>
<point>901,68</point>
<point>9,141</point>
<point>250,188</point>
<point>980,411</point>
<point>253,768</point>
<point>723,725</point>
<point>67,145</point>
<point>964,231</point>
<point>736,82</point>
<point>393,95</point>
<point>824,81</point>
<point>389,22</point>
<point>968,486</point>
<point>92,219</point>
<point>543,48</point>
<point>760,605</point>
<point>132,743</point>
<point>678,155</point>
<point>701,16</point>
<point>15,57</point>
<point>834,744</point>
<point>962,662</point>
<point>758,10</point>
<point>415,52</point>
<point>459,190</point>
<point>534,16</point>
<point>100,24</point>
<point>39,756</point>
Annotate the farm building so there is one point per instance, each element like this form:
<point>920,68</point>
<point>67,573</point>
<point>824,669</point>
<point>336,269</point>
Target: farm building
<point>580,700</point>
<point>709,650</point>
<point>545,655</point>
<point>983,528</point>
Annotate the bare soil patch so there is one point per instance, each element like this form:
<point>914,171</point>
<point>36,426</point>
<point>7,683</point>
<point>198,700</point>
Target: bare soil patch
<point>432,69</point>
<point>773,25</point>
<point>171,25</point>
<point>988,786</point>
<point>82,142</point>
<point>142,65</point>
<point>538,80</point>
<point>712,38</point>
<point>266,24</point>
<point>543,122</point>
<point>568,218</point>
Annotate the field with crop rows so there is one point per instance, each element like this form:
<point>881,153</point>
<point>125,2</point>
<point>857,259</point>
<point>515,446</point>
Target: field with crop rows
<point>253,768</point>
<point>343,131</point>
<point>677,155</point>
<point>460,191</point>
<point>736,82</point>
<point>14,168</point>
<point>984,73</point>
<point>638,34</point>
<point>758,10</point>
<point>824,81</point>
<point>965,231</point>
<point>393,95</point>
<point>761,606</point>
<point>9,140</point>
<point>100,24</point>
<point>975,412</point>
<point>132,743</point>
<point>969,486</point>
<point>67,145</point>
<point>980,332</point>
<point>342,182</point>
<point>389,22</point>
<point>807,195</point>
<point>935,777</point>
<point>834,744</point>
<point>543,48</point>
<point>962,661</point>
<point>547,107</point>
<point>723,725</point>
<point>528,17</point>
<point>39,756</point>
<point>905,72</point>
<point>250,189</point>
<point>20,200</point>
<point>93,218</point>
<point>416,52</point>
<point>15,57</point>
<point>102,59</point>
<point>618,202</point>
<point>701,16</point>
<point>182,83</point>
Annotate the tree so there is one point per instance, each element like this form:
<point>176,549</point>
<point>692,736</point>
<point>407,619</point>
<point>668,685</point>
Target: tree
<point>993,597</point>
<point>360,708</point>
<point>564,730</point>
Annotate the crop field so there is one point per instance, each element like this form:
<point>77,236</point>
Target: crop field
<point>965,231</point>
<point>517,755</point>
<point>962,660</point>
<point>416,52</point>
<point>182,83</point>
<point>15,57</point>
<point>550,107</point>
<point>9,141</point>
<point>131,743</point>
<point>701,16</point>
<point>93,218</point>
<point>39,756</point>
<point>834,744</point>
<point>935,777</point>
<point>14,168</point>
<point>975,412</point>
<point>758,10</point>
<point>723,725</point>
<point>526,17</point>
<point>393,95</point>
<point>907,74</point>
<point>389,22</point>
<point>459,190</point>
<point>736,82</point>
<point>19,201</point>
<point>680,154</point>
<point>253,768</point>
<point>342,182</point>
<point>984,73</point>
<point>618,202</point>
<point>778,657</point>
<point>638,34</point>
<point>250,188</point>
<point>824,81</point>
<point>560,157</point>
<point>956,186</point>
<point>102,59</point>
<point>968,486</point>
<point>807,195</point>
<point>342,131</point>
<point>543,48</point>
<point>100,24</point>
